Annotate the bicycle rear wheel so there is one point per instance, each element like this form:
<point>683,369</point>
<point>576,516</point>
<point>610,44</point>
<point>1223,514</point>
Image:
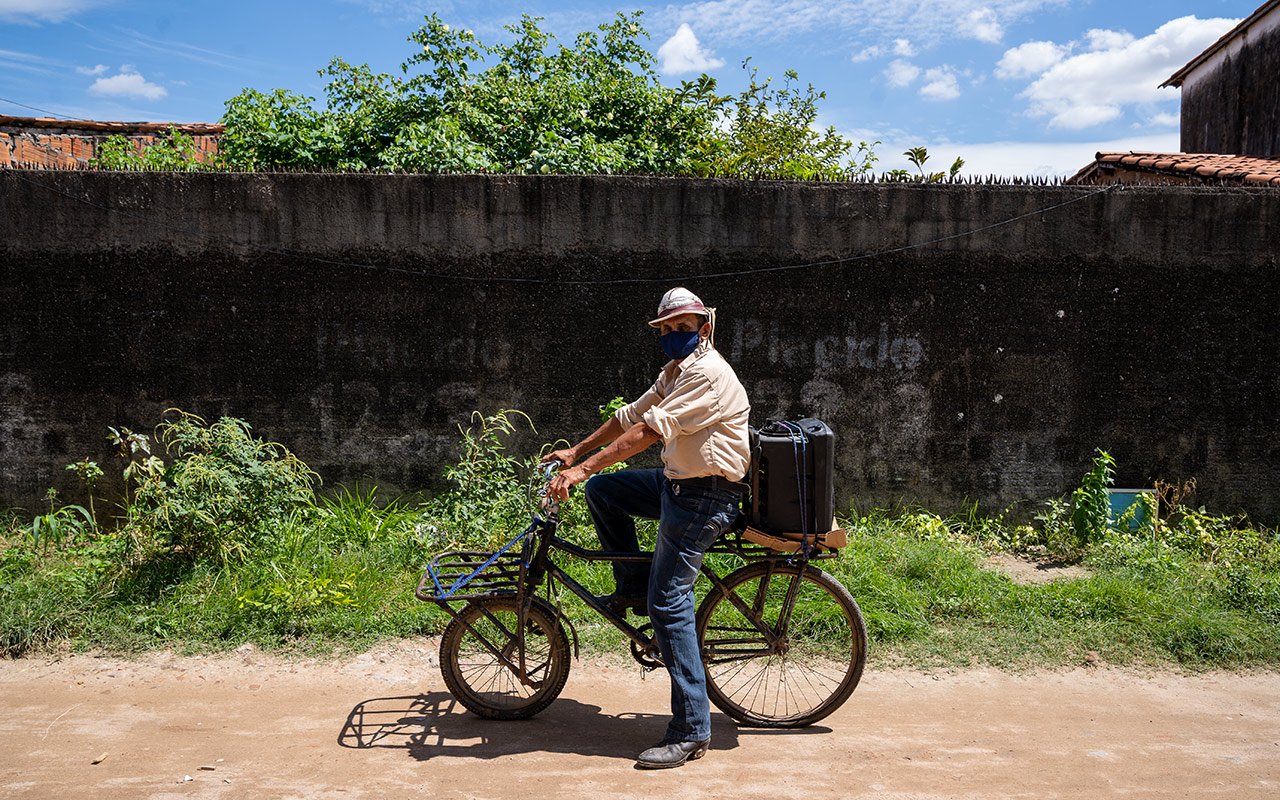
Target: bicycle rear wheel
<point>781,673</point>
<point>480,658</point>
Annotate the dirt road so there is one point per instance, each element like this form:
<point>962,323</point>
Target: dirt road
<point>381,725</point>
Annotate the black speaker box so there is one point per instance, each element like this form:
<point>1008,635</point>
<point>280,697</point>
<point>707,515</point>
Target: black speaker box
<point>793,477</point>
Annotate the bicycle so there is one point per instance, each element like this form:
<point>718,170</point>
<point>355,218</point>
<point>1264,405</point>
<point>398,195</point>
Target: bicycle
<point>783,642</point>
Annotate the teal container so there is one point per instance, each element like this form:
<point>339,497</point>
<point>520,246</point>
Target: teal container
<point>1124,499</point>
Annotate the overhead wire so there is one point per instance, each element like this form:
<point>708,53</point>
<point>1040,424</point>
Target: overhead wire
<point>580,282</point>
<point>35,108</point>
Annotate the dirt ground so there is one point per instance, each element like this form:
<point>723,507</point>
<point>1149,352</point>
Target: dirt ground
<point>381,724</point>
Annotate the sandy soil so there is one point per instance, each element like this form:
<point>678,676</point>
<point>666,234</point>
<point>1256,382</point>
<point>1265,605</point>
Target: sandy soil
<point>382,725</point>
<point>1031,571</point>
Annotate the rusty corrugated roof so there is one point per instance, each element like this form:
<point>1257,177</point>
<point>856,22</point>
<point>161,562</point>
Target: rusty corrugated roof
<point>194,128</point>
<point>1253,170</point>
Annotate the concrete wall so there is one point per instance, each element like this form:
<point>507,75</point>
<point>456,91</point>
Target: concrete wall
<point>984,366</point>
<point>1234,106</point>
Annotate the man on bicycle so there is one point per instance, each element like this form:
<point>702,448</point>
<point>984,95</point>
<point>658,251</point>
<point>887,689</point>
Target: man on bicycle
<point>698,409</point>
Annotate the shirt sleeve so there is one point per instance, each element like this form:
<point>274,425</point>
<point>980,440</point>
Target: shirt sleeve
<point>630,414</point>
<point>691,406</point>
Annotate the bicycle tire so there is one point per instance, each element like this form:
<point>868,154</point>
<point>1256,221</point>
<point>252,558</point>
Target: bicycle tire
<point>810,672</point>
<point>480,681</point>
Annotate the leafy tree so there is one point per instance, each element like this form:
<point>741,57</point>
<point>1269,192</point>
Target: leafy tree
<point>276,130</point>
<point>772,133</point>
<point>538,107</point>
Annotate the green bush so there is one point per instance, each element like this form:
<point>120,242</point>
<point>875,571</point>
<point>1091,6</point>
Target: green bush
<point>1091,503</point>
<point>174,151</point>
<point>488,502</point>
<point>222,494</point>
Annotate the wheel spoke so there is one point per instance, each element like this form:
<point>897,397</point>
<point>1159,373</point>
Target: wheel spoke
<point>794,679</point>
<point>481,658</point>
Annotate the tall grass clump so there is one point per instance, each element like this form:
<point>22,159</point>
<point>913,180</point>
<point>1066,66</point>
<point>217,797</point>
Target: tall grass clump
<point>489,498</point>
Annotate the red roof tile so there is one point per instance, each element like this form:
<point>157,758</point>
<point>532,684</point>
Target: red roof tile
<point>1252,170</point>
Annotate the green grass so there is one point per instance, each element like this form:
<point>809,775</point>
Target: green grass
<point>337,572</point>
<point>931,602</point>
<point>928,602</point>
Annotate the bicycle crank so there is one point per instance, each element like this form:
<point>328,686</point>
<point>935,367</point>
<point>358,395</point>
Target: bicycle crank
<point>648,657</point>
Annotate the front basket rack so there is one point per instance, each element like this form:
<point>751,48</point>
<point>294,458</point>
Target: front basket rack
<point>472,574</point>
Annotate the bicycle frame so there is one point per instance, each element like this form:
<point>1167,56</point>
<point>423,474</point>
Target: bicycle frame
<point>523,582</point>
<point>541,566</point>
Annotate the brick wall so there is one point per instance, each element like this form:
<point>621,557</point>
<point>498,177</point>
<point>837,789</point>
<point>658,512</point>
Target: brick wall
<point>42,143</point>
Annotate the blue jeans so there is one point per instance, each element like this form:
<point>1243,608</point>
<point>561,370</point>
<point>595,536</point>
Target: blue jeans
<point>689,520</point>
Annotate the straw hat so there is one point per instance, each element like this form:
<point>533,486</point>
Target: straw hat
<point>679,301</point>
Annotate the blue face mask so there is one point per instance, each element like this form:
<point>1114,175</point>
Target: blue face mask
<point>678,344</point>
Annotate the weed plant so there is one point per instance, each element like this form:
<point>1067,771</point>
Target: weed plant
<point>223,538</point>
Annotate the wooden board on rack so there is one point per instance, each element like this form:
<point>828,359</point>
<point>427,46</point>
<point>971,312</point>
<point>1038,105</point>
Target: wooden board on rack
<point>833,539</point>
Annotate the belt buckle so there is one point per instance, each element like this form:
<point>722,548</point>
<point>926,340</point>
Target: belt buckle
<point>675,488</point>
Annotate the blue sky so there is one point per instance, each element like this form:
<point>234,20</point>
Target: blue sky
<point>1013,86</point>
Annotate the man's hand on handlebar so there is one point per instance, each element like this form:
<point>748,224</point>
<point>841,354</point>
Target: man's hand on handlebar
<point>566,457</point>
<point>561,483</point>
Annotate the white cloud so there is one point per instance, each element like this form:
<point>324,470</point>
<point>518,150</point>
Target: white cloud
<point>683,53</point>
<point>15,61</point>
<point>29,11</point>
<point>940,83</point>
<point>982,24</point>
<point>94,70</point>
<point>128,83</point>
<point>868,53</point>
<point>900,47</point>
<point>1101,39</point>
<point>924,22</point>
<point>1030,59</point>
<point>404,9</point>
<point>1013,158</point>
<point>128,40</point>
<point>1115,72</point>
<point>1085,115</point>
<point>1166,120</point>
<point>901,73</point>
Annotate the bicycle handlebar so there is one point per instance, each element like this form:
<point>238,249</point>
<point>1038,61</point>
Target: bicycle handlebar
<point>549,504</point>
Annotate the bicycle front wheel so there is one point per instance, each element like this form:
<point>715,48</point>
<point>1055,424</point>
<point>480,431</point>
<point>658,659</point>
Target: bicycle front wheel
<point>481,661</point>
<point>774,670</point>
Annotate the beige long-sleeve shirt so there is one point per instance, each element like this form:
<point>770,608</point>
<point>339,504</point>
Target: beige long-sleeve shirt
<point>699,408</point>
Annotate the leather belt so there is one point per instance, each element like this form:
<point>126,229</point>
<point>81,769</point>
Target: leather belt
<point>716,482</point>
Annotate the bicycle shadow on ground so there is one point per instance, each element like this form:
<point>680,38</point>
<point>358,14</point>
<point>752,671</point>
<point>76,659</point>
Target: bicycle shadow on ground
<point>434,725</point>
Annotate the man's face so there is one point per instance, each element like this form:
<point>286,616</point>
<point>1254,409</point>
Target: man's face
<point>684,323</point>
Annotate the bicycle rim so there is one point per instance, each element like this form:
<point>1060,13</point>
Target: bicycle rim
<point>479,659</point>
<point>783,678</point>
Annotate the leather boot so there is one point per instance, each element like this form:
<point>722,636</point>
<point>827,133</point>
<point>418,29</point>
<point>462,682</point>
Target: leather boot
<point>672,754</point>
